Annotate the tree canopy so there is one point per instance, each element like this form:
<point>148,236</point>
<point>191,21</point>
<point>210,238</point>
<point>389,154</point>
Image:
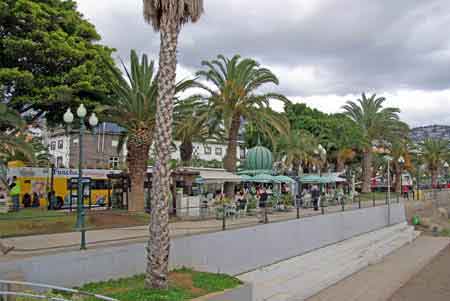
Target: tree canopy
<point>50,58</point>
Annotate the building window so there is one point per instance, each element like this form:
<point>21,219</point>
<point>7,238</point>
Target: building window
<point>53,145</point>
<point>114,162</point>
<point>208,150</point>
<point>59,162</point>
<point>60,144</point>
<point>218,151</point>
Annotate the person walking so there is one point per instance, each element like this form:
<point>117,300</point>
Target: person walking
<point>261,196</point>
<point>315,194</point>
<point>405,191</point>
<point>14,193</point>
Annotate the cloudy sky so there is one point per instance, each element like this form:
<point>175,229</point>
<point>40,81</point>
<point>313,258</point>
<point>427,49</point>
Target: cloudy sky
<point>325,52</point>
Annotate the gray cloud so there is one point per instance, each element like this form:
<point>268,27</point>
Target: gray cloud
<point>321,47</point>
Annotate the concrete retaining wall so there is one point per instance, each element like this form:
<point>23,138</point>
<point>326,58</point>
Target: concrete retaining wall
<point>231,252</point>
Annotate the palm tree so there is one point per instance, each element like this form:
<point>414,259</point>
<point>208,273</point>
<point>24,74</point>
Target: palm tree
<point>434,152</point>
<point>133,107</point>
<point>399,149</point>
<point>375,124</point>
<point>167,17</point>
<point>13,143</point>
<point>235,96</point>
<point>194,121</point>
<point>298,149</point>
<point>12,140</point>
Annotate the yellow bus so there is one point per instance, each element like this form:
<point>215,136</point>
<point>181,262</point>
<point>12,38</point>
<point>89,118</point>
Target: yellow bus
<point>35,185</point>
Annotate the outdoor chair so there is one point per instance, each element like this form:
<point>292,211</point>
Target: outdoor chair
<point>307,202</point>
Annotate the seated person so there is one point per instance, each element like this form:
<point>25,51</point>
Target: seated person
<point>26,200</point>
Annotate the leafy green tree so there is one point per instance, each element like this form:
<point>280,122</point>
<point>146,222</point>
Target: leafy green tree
<point>341,139</point>
<point>375,124</point>
<point>166,17</point>
<point>235,96</point>
<point>50,58</point>
<point>302,117</point>
<point>434,152</point>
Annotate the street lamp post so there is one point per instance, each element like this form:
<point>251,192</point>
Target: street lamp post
<point>401,163</point>
<point>446,167</point>
<point>389,159</point>
<point>93,121</point>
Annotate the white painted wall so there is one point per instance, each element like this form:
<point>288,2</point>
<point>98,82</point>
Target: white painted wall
<point>63,152</point>
<point>200,151</point>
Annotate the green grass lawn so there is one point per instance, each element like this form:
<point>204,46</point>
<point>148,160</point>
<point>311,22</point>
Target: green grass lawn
<point>184,284</point>
<point>32,221</point>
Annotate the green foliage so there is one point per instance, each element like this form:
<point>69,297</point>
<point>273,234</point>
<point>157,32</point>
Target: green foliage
<point>236,95</point>
<point>374,121</point>
<point>302,117</point>
<point>195,121</point>
<point>434,152</point>
<point>297,148</point>
<point>132,289</point>
<point>207,163</point>
<point>213,282</point>
<point>50,58</point>
<point>133,105</point>
<point>334,131</point>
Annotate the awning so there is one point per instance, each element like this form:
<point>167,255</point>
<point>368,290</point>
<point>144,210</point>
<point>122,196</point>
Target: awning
<point>324,179</point>
<point>285,179</point>
<point>254,172</point>
<point>216,176</point>
<point>265,178</point>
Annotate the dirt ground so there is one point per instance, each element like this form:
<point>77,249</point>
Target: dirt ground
<point>431,284</point>
<point>108,220</point>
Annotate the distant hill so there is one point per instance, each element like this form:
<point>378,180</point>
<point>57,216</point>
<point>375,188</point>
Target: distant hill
<point>419,134</point>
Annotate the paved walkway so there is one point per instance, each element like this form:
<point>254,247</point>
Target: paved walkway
<point>431,284</point>
<point>44,244</point>
<point>380,281</point>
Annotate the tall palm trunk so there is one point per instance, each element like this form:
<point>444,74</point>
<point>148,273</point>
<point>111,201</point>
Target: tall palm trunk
<point>434,177</point>
<point>138,146</point>
<point>159,242</point>
<point>231,156</point>
<point>340,164</point>
<point>296,166</point>
<point>398,177</point>
<point>186,150</point>
<point>367,170</point>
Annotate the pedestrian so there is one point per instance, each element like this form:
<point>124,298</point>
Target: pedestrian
<point>262,203</point>
<point>14,192</point>
<point>405,191</point>
<point>315,194</point>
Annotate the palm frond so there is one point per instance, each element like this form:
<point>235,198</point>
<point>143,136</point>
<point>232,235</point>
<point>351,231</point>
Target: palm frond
<point>180,11</point>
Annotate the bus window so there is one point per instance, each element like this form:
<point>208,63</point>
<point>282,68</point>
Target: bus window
<point>99,184</point>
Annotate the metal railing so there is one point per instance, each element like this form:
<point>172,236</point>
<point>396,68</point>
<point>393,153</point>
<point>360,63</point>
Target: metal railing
<point>8,292</point>
<point>203,217</point>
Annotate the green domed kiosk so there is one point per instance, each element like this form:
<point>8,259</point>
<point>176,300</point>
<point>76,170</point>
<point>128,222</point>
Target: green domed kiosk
<point>259,160</point>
